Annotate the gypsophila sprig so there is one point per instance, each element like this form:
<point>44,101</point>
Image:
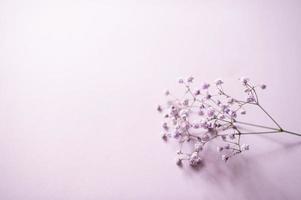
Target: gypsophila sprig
<point>207,113</point>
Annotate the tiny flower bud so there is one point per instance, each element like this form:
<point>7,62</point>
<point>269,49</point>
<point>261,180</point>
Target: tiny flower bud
<point>243,112</point>
<point>244,80</point>
<point>205,86</point>
<point>197,92</point>
<point>190,79</point>
<point>165,126</point>
<point>159,108</point>
<point>218,82</point>
<point>179,162</point>
<point>263,86</point>
<point>164,136</point>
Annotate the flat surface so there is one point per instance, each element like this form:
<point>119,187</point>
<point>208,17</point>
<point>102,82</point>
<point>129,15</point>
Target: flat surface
<point>80,81</point>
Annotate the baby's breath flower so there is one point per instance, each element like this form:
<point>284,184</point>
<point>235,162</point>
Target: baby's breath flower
<point>243,112</point>
<point>225,157</point>
<point>198,146</point>
<point>164,136</point>
<point>181,81</point>
<point>219,149</point>
<point>159,108</point>
<point>244,80</point>
<point>218,82</point>
<point>205,86</point>
<point>263,86</point>
<point>190,79</point>
<point>197,92</point>
<point>244,147</point>
<point>198,119</point>
<point>179,161</point>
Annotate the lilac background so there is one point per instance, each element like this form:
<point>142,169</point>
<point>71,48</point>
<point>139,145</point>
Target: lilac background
<point>80,80</point>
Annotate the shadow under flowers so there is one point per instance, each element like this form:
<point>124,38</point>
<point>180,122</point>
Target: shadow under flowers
<point>244,176</point>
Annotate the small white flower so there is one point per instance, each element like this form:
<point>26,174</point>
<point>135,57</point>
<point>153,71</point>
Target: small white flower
<point>205,138</point>
<point>208,96</point>
<point>196,126</point>
<point>210,113</point>
<point>201,112</point>
<point>164,136</point>
<point>194,155</point>
<point>225,158</point>
<point>198,146</point>
<point>244,147</point>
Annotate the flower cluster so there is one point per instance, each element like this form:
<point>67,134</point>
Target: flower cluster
<point>207,113</point>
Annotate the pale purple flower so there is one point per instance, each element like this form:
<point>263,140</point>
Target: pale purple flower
<point>243,112</point>
<point>198,146</point>
<point>225,157</point>
<point>205,86</point>
<point>181,81</point>
<point>197,92</point>
<point>244,80</point>
<point>250,99</point>
<point>198,119</point>
<point>219,149</point>
<point>196,126</point>
<point>201,112</point>
<point>244,147</point>
<point>159,108</point>
<point>165,126</point>
<point>218,82</point>
<point>179,161</point>
<point>167,93</point>
<point>263,86</point>
<point>205,138</point>
<point>210,113</point>
<point>190,79</point>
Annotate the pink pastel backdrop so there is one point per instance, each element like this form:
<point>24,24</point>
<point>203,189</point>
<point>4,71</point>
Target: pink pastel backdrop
<point>80,81</point>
